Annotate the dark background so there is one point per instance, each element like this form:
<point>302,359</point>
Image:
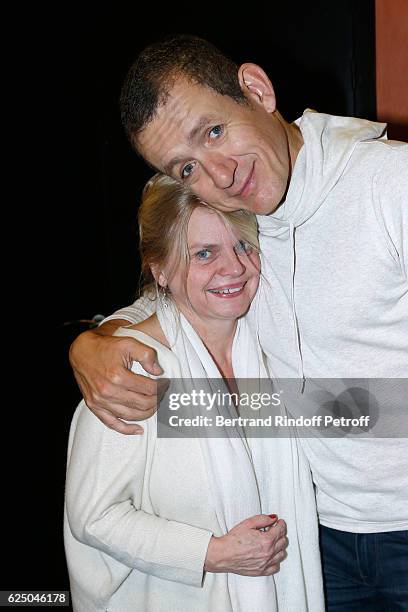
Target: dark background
<point>80,227</point>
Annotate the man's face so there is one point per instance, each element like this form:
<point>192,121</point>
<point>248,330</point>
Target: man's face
<point>232,156</point>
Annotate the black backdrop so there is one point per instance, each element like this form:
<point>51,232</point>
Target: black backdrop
<point>83,223</point>
<point>319,55</point>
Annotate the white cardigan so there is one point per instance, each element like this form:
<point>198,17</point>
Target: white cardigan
<point>139,517</point>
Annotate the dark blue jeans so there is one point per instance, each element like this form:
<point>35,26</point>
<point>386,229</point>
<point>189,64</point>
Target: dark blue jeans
<point>367,572</point>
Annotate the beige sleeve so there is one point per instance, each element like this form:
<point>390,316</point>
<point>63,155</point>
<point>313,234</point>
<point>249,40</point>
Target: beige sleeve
<point>391,202</point>
<point>140,310</point>
<point>105,476</point>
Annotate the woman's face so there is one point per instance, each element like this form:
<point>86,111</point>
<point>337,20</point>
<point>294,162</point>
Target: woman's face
<point>223,273</point>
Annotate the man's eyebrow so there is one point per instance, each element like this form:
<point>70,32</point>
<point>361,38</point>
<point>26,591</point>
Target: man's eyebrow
<point>198,127</point>
<point>168,168</point>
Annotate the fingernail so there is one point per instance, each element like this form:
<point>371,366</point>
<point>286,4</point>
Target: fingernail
<point>273,516</point>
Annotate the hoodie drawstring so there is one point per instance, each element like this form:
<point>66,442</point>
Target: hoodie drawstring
<point>298,345</point>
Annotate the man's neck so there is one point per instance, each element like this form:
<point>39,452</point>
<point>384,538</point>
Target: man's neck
<point>295,142</point>
<point>294,139</point>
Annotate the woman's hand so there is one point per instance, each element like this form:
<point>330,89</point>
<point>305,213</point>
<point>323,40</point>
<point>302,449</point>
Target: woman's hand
<point>101,364</point>
<point>248,551</point>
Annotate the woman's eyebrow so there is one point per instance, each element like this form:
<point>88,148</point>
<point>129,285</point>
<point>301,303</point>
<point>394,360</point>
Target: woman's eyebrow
<point>201,245</point>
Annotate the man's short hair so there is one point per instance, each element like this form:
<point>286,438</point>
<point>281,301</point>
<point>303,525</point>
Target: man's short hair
<point>151,77</point>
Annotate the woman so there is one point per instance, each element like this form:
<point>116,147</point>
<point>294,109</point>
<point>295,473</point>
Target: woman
<point>151,520</point>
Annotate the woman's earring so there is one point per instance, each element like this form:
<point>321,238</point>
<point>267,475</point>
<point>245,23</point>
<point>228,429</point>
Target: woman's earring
<point>164,296</point>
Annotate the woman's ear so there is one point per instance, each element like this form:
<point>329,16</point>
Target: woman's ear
<point>158,275</point>
<point>256,85</point>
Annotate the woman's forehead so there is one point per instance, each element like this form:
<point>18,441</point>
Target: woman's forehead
<point>206,225</point>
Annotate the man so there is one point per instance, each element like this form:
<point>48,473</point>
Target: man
<point>331,198</point>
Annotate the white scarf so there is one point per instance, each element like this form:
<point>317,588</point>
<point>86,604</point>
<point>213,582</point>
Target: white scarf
<point>261,475</point>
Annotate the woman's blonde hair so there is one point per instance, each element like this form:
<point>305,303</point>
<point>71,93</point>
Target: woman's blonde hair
<point>164,214</point>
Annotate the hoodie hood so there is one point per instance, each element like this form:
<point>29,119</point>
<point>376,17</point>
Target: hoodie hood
<point>329,143</point>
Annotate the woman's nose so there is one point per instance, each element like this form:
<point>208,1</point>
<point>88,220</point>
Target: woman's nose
<point>231,263</point>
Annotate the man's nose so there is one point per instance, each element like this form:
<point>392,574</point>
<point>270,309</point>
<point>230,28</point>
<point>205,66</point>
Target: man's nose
<point>221,169</point>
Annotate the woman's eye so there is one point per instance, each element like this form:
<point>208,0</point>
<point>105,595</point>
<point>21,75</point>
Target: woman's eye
<point>187,170</point>
<point>244,247</point>
<point>215,132</point>
<point>204,254</point>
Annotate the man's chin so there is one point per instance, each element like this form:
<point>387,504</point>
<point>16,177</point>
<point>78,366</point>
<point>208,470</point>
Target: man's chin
<point>264,208</point>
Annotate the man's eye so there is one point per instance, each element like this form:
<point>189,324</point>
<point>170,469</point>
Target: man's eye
<point>243,247</point>
<point>215,132</point>
<point>203,254</point>
<point>187,170</point>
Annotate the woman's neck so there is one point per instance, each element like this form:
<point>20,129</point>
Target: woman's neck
<point>218,336</point>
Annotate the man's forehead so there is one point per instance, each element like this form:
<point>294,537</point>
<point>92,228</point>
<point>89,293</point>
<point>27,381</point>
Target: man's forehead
<point>188,102</point>
<point>188,109</point>
<point>184,90</point>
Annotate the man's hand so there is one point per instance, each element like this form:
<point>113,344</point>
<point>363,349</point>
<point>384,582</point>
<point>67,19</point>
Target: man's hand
<point>101,364</point>
<point>248,551</point>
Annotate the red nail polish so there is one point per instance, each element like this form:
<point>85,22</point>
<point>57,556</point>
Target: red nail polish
<point>273,516</point>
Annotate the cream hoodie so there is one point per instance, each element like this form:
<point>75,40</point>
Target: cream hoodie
<point>334,304</point>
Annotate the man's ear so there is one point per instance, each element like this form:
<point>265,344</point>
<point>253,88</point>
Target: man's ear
<point>256,85</point>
